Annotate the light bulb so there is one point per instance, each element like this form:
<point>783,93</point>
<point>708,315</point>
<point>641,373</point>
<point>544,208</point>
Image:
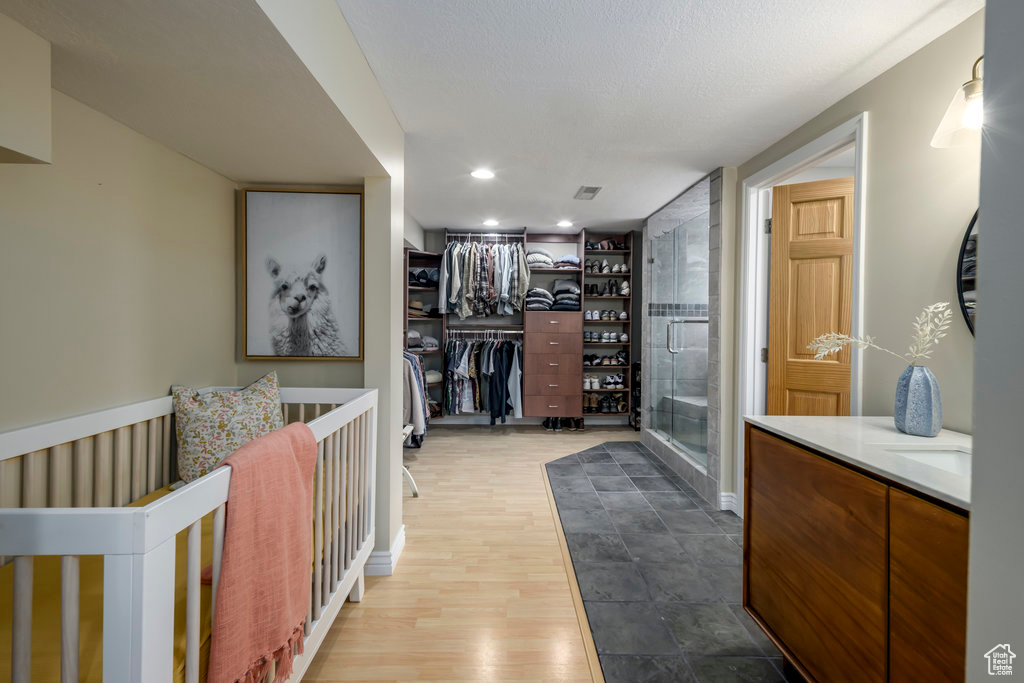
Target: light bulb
<point>490,223</point>
<point>483,173</point>
<point>974,113</point>
<point>564,224</point>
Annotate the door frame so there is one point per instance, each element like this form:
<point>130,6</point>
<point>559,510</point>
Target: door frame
<point>751,375</point>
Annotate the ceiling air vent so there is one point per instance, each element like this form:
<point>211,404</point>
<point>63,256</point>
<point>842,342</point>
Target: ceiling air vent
<point>587,192</point>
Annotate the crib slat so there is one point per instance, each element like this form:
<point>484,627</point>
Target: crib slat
<point>21,634</point>
<point>336,521</point>
<point>165,453</point>
<point>69,579</point>
<point>302,412</point>
<point>82,452</point>
<point>138,459</point>
<point>286,412</point>
<point>10,482</point>
<point>152,459</point>
<point>60,476</point>
<point>218,555</point>
<point>103,470</point>
<point>33,479</point>
<point>195,531</point>
<point>318,530</point>
<point>122,466</point>
<point>350,529</point>
<point>361,466</point>
<point>316,410</point>
<point>328,516</point>
<point>309,605</point>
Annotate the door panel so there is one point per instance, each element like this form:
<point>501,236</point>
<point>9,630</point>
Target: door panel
<point>811,287</point>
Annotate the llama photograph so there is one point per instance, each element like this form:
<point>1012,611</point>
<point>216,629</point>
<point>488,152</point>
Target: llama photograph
<point>303,274</point>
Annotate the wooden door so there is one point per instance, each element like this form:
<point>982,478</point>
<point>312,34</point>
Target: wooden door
<point>810,293</point>
<point>815,553</point>
<point>927,591</point>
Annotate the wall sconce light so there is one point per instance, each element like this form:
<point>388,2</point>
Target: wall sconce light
<point>965,114</point>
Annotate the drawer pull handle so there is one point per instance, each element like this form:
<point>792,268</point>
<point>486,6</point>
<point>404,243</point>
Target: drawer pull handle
<point>552,406</point>
<point>553,385</point>
<point>554,322</point>
<point>553,343</point>
<point>554,365</point>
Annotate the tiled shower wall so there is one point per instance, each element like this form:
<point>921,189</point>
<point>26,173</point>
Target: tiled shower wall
<point>699,374</point>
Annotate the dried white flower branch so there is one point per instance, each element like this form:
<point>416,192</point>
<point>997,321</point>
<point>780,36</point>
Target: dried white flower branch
<point>929,327</point>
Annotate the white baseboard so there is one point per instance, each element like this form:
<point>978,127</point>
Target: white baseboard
<point>726,501</point>
<point>383,562</point>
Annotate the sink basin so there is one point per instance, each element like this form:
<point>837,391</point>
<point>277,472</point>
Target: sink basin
<point>949,457</point>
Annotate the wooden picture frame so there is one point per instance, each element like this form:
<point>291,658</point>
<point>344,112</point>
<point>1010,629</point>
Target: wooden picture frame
<point>302,254</point>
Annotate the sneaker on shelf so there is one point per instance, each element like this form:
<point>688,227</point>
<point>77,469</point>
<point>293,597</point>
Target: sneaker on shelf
<point>606,405</point>
<point>605,268</point>
<point>623,316</point>
<point>617,268</point>
<point>613,288</point>
<point>604,289</point>
<point>624,268</point>
<point>619,382</point>
<point>624,289</point>
<point>624,338</point>
<point>587,316</point>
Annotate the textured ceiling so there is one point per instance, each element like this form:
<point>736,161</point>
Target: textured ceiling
<point>213,80</point>
<point>642,97</point>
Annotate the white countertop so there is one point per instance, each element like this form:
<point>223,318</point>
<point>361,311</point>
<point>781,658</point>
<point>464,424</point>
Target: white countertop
<point>867,442</point>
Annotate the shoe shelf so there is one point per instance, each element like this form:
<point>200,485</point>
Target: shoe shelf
<point>418,288</point>
<point>556,270</point>
<point>605,367</point>
<point>605,322</point>
<point>608,274</point>
<point>616,343</point>
<point>605,297</point>
<point>605,391</point>
<point>597,252</point>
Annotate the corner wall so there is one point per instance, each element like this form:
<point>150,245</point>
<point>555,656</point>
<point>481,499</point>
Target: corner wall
<point>118,263</point>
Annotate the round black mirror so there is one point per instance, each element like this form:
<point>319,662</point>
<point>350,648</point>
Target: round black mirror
<point>967,273</point>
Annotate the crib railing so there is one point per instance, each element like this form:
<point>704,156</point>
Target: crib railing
<point>138,543</point>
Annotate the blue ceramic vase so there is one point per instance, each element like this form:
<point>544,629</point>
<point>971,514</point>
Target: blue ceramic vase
<point>918,408</point>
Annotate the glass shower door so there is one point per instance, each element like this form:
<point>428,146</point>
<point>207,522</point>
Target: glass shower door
<point>679,332</point>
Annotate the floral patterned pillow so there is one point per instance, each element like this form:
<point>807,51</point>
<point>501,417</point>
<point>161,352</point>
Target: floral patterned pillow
<point>213,425</point>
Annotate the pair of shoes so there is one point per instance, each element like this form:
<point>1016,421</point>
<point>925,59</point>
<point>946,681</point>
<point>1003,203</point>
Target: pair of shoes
<point>605,268</point>
<point>614,382</point>
<point>623,316</point>
<point>624,289</point>
<point>589,382</point>
<point>589,315</point>
<point>591,359</point>
<point>591,403</point>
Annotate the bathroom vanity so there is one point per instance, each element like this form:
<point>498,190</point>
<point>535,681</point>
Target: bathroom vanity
<point>855,547</point>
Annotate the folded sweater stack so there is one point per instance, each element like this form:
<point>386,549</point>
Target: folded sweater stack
<point>538,299</point>
<point>539,258</point>
<point>567,295</point>
<point>571,261</point>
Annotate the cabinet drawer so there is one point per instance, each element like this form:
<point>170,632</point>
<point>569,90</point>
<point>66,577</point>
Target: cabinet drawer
<point>553,406</point>
<point>554,322</point>
<point>544,385</point>
<point>552,364</point>
<point>546,342</point>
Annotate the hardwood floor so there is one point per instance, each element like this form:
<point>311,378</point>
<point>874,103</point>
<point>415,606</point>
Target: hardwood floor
<point>481,591</point>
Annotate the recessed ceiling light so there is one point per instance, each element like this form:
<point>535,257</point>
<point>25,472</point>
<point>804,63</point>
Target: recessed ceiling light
<point>564,224</point>
<point>483,173</point>
<point>490,223</point>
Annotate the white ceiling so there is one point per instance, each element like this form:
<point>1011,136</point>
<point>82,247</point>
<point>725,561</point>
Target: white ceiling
<point>213,80</point>
<point>642,97</point>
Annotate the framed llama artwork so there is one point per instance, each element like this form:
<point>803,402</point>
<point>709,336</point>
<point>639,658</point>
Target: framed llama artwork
<point>302,274</point>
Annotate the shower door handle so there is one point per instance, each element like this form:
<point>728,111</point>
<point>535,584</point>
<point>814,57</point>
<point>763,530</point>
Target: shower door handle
<point>668,335</point>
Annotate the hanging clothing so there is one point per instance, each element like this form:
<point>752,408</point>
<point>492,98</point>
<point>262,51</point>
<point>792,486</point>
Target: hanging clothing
<point>484,376</point>
<point>414,397</point>
<point>481,280</point>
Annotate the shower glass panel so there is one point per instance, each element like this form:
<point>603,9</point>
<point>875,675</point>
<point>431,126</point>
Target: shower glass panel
<point>679,324</point>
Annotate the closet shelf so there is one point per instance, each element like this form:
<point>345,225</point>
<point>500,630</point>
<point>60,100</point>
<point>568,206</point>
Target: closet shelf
<point>609,368</point>
<point>607,251</point>
<point>605,322</point>
<point>606,297</point>
<point>556,270</point>
<point>429,320</point>
<point>422,352</point>
<point>608,274</point>
<point>417,288</point>
<point>593,343</point>
<point>605,391</point>
<point>434,384</point>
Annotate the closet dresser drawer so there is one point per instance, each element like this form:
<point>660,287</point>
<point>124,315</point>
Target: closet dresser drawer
<point>546,342</point>
<point>553,406</point>
<point>552,364</point>
<point>554,322</point>
<point>544,385</point>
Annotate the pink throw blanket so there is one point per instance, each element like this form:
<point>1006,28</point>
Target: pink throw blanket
<point>265,573</point>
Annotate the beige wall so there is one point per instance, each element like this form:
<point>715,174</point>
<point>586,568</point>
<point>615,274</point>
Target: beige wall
<point>919,202</point>
<point>118,268</point>
<point>414,232</point>
<point>25,116</point>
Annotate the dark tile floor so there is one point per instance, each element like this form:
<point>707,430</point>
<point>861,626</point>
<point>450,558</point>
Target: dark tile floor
<point>659,571</point>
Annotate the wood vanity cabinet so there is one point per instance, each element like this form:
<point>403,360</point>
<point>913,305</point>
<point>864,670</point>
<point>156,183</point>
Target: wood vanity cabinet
<point>853,579</point>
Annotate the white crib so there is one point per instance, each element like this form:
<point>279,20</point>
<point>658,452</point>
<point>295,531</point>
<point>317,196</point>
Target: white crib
<point>62,488</point>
